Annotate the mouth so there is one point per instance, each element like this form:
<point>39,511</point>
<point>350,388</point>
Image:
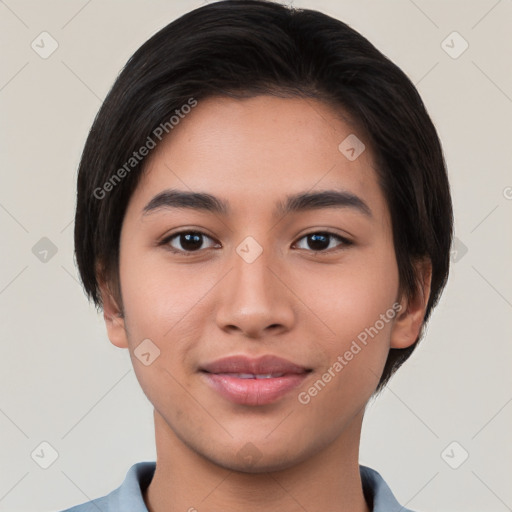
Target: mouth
<point>247,381</point>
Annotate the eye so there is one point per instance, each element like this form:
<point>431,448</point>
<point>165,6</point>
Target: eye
<point>321,241</point>
<point>187,241</point>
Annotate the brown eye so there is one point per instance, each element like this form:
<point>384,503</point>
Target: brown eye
<point>322,240</point>
<point>187,241</point>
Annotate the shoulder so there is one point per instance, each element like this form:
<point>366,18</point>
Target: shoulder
<point>127,497</point>
<point>377,492</point>
<point>91,506</point>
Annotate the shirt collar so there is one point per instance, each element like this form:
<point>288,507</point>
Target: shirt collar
<point>129,496</point>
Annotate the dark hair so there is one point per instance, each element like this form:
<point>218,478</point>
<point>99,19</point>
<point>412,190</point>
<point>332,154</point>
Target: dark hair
<point>242,48</point>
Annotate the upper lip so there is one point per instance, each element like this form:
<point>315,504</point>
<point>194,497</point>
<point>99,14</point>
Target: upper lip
<point>258,366</point>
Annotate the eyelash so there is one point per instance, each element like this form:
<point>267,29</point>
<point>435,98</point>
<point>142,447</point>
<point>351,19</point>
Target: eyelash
<point>166,242</point>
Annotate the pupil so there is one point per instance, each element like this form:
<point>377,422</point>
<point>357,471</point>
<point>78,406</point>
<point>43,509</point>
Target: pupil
<point>318,241</point>
<point>191,241</point>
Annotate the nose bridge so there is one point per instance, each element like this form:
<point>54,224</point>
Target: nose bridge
<point>251,271</point>
<point>253,299</point>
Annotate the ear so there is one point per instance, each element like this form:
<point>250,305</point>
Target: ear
<point>113,316</point>
<point>408,324</point>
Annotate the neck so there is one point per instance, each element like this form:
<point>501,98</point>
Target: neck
<point>186,481</point>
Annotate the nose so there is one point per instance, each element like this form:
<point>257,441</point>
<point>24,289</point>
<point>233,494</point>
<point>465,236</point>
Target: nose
<point>253,300</point>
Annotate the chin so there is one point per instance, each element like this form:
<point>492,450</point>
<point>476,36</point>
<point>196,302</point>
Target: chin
<point>252,460</point>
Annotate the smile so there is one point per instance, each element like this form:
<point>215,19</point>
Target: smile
<point>247,381</point>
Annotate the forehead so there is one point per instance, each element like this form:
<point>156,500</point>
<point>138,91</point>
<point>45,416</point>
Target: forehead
<point>254,151</point>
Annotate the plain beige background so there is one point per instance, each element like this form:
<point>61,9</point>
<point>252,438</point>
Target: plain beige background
<point>64,384</point>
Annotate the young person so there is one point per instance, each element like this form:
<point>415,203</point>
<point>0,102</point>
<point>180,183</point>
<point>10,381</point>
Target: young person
<point>264,217</point>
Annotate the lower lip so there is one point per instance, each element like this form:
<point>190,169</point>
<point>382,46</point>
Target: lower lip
<point>254,391</point>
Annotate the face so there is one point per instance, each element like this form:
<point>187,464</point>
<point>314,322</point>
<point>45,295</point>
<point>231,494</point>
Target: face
<point>301,292</point>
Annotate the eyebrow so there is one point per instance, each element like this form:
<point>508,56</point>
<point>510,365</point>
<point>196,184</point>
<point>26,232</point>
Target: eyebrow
<point>303,201</point>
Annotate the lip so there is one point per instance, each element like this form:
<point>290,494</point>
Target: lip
<point>222,376</point>
<point>261,365</point>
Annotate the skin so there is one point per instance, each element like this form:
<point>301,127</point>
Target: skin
<point>293,301</point>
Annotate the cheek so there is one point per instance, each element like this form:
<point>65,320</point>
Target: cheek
<point>163,307</point>
<point>356,303</point>
<point>351,297</point>
<point>156,294</point>
<point>164,304</point>
<point>358,309</point>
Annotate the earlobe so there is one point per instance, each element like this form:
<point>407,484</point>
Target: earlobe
<point>114,319</point>
<point>408,324</point>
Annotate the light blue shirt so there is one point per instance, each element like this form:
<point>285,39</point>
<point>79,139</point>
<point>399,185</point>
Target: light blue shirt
<point>128,496</point>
